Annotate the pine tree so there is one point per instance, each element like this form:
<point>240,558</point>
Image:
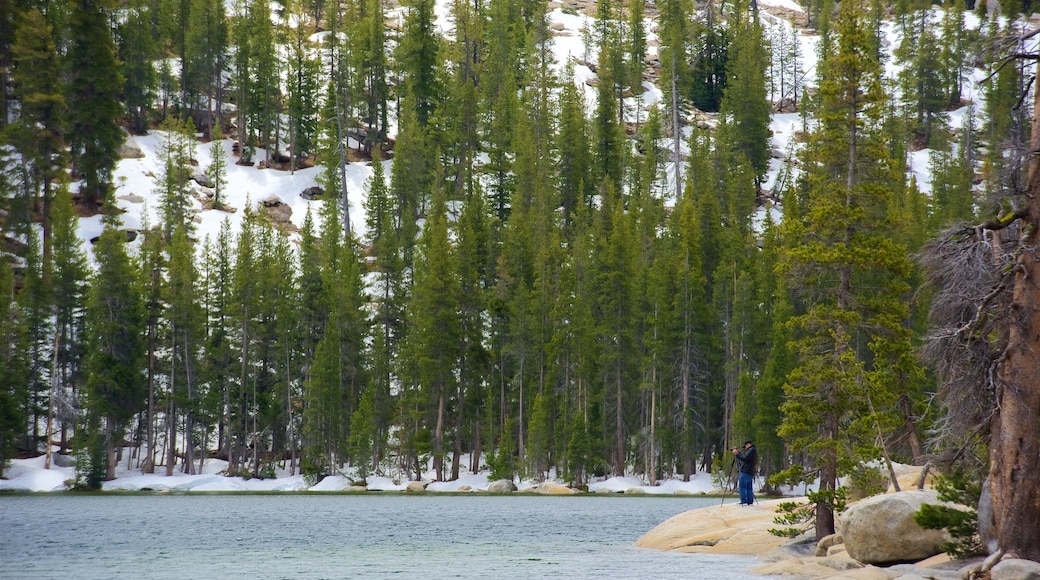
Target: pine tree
<point>676,46</point>
<point>219,354</point>
<point>848,276</point>
<point>115,388</point>
<point>69,282</point>
<point>93,101</point>
<point>473,256</point>
<point>302,94</point>
<point>184,317</point>
<point>35,301</point>
<point>173,184</point>
<point>608,150</point>
<point>744,106</point>
<point>389,292</point>
<point>372,70</point>
<point>217,170</point>
<point>137,48</point>
<point>151,271</point>
<point>434,336</point>
<point>205,47</point>
<point>502,72</point>
<point>38,133</point>
<point>576,182</point>
<point>14,368</point>
<point>339,375</point>
<point>418,55</point>
<point>709,66</point>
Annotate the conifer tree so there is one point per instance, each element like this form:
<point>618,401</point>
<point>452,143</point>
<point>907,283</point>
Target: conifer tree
<point>615,308</point>
<point>434,336</point>
<point>473,256</point>
<point>502,72</point>
<point>217,170</point>
<point>184,318</point>
<point>205,47</point>
<point>69,282</point>
<point>39,129</point>
<point>418,58</point>
<point>372,69</point>
<point>576,182</point>
<point>220,370</point>
<point>115,388</point>
<point>264,66</point>
<point>608,131</point>
<point>389,292</point>
<point>676,45</point>
<point>301,93</point>
<point>35,301</point>
<point>14,368</point>
<point>851,301</point>
<point>151,271</point>
<point>173,185</point>
<point>710,61</point>
<point>339,374</point>
<point>137,48</point>
<point>744,105</point>
<point>93,102</point>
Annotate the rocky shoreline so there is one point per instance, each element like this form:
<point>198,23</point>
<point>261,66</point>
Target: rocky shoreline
<point>744,530</point>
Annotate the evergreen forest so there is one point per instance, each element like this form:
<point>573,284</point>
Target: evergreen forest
<point>556,276</point>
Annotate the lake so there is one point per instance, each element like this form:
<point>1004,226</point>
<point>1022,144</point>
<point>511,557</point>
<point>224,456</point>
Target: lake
<point>73,536</point>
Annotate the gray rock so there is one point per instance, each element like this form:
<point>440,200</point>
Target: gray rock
<point>132,198</point>
<point>881,529</point>
<point>312,193</point>
<point>825,543</point>
<point>1014,569</point>
<point>501,486</point>
<point>129,149</point>
<point>63,460</point>
<point>202,179</point>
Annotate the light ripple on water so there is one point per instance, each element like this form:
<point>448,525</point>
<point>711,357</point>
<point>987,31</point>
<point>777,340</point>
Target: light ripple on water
<point>73,536</point>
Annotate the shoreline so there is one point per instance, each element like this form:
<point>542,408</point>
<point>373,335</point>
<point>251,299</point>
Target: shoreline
<point>744,531</point>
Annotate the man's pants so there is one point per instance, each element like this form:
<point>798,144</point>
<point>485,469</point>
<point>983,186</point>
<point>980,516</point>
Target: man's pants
<point>746,484</point>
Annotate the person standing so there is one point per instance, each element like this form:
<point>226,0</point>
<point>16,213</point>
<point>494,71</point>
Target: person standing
<point>748,466</point>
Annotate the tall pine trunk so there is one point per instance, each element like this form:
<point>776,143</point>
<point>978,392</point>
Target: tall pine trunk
<point>1015,436</point>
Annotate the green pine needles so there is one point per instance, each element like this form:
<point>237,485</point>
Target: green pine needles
<point>961,522</point>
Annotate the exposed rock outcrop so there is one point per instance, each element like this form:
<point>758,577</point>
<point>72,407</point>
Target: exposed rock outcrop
<point>726,529</point>
<point>501,486</point>
<point>552,488</point>
<point>1014,569</point>
<point>881,529</point>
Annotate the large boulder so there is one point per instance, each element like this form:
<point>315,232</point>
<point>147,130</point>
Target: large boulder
<point>129,149</point>
<point>415,487</point>
<point>501,486</point>
<point>553,488</point>
<point>1014,569</point>
<point>881,529</point>
<point>721,529</point>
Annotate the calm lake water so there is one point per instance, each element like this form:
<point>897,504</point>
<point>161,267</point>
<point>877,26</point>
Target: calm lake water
<point>71,536</point>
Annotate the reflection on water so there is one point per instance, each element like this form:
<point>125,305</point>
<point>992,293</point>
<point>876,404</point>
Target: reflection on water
<point>72,536</point>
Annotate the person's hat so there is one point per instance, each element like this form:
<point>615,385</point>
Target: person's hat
<point>748,442</point>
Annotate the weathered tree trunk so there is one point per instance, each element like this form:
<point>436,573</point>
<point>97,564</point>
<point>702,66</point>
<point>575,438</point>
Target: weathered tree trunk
<point>1014,451</point>
<point>110,449</point>
<point>438,439</point>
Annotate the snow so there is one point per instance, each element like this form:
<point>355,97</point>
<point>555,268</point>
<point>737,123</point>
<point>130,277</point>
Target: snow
<point>785,4</point>
<point>29,475</point>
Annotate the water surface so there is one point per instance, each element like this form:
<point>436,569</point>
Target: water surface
<point>72,536</point>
